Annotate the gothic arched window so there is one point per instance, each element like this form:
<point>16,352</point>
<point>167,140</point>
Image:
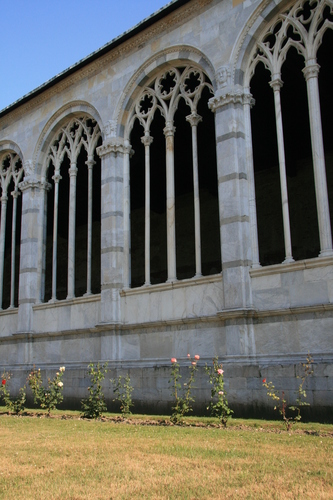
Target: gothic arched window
<point>71,260</point>
<point>174,200</point>
<point>291,124</point>
<point>11,173</point>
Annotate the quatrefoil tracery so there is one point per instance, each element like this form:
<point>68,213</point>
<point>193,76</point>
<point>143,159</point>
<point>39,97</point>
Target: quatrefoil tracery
<point>10,168</point>
<point>302,27</point>
<point>78,132</point>
<point>164,94</point>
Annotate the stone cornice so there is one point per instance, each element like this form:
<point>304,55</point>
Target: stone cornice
<point>180,15</point>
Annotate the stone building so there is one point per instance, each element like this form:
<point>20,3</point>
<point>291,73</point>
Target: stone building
<point>173,193</point>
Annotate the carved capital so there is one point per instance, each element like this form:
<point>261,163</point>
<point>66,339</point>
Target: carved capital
<point>311,69</point>
<point>231,95</point>
<point>114,146</point>
<point>147,140</point>
<point>276,83</point>
<point>33,184</point>
<point>56,178</point>
<point>169,130</point>
<point>194,119</point>
<point>15,193</point>
<point>4,199</point>
<point>73,170</point>
<point>90,163</point>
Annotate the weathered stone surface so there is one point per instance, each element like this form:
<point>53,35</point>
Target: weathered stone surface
<point>260,321</point>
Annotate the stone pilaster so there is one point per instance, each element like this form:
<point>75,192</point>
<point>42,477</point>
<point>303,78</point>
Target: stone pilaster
<point>112,228</point>
<point>32,220</point>
<point>228,105</point>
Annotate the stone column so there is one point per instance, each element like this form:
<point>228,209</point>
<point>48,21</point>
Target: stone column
<point>228,105</point>
<point>32,219</point>
<point>194,119</point>
<point>248,103</point>
<point>311,71</point>
<point>276,85</point>
<point>15,194</point>
<point>57,177</point>
<point>42,230</point>
<point>112,228</point>
<point>90,163</point>
<point>4,200</point>
<point>169,132</point>
<point>128,151</point>
<point>71,232</point>
<point>147,140</point>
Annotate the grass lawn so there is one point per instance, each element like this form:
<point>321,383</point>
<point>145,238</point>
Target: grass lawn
<point>53,458</point>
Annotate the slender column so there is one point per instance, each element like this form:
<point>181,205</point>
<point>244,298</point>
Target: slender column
<point>15,195</point>
<point>169,132</point>
<point>41,253</point>
<point>248,103</point>
<point>276,84</point>
<point>147,140</point>
<point>57,177</point>
<point>71,232</point>
<point>90,163</point>
<point>194,119</point>
<point>127,232</point>
<point>4,200</point>
<point>311,71</point>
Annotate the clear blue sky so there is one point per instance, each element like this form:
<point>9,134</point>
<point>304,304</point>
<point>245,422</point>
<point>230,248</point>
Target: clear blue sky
<point>41,38</point>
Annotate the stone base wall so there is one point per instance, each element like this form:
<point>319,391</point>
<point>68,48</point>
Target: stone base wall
<point>145,354</point>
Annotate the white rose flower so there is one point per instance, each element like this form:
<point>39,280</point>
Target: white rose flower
<point>60,384</point>
<point>62,369</point>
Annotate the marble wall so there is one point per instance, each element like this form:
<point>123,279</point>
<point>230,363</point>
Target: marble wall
<point>260,321</point>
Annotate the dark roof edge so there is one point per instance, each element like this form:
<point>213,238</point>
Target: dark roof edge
<point>146,23</point>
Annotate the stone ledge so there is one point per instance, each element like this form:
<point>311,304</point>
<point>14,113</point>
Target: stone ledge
<point>69,302</point>
<point>161,287</point>
<point>299,265</point>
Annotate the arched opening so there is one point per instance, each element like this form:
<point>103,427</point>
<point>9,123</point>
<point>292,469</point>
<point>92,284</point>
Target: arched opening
<point>11,174</point>
<point>289,200</point>
<point>72,251</point>
<point>165,103</point>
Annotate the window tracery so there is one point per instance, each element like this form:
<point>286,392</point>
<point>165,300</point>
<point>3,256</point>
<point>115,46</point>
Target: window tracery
<point>300,28</point>
<point>11,173</point>
<point>162,98</point>
<point>75,143</point>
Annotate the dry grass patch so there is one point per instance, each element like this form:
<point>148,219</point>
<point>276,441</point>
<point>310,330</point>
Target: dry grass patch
<point>79,459</point>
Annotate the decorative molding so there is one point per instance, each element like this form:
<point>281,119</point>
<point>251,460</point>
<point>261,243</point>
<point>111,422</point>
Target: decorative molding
<point>223,77</point>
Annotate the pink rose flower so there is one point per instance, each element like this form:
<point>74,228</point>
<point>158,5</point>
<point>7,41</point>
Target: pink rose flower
<point>173,360</point>
<point>197,356</point>
<point>194,363</point>
<point>220,371</point>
